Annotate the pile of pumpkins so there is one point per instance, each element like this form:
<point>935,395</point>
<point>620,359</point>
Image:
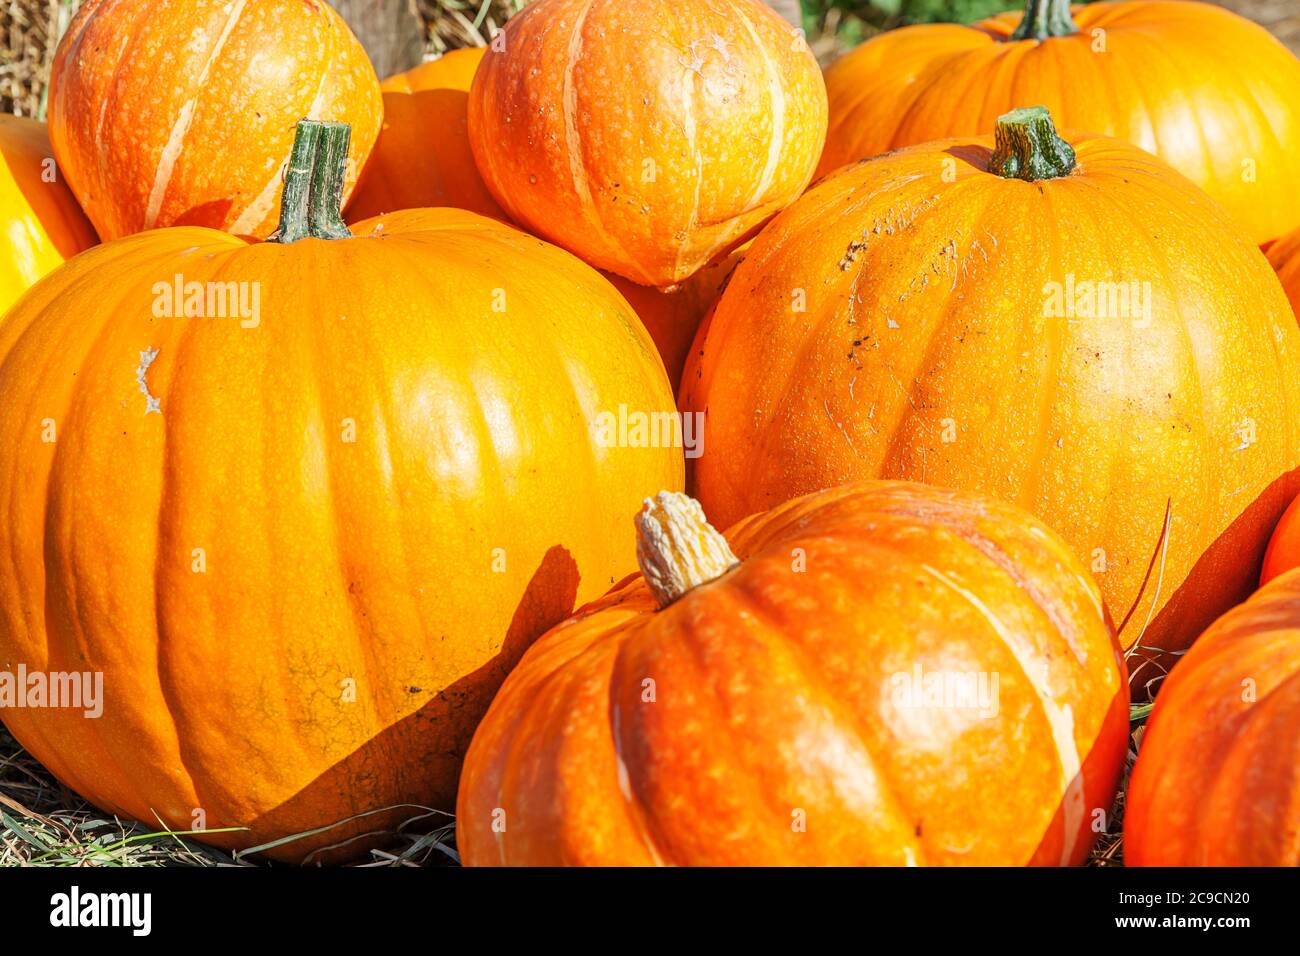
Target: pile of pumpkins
<point>298,442</point>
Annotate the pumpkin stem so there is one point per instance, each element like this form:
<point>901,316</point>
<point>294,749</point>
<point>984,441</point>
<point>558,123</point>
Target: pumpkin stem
<point>1045,19</point>
<point>677,548</point>
<point>312,200</point>
<point>1028,148</point>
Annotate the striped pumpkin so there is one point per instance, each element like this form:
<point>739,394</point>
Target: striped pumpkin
<point>182,113</point>
<point>647,136</point>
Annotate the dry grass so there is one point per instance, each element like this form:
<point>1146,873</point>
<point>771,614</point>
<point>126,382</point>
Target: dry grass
<point>42,823</point>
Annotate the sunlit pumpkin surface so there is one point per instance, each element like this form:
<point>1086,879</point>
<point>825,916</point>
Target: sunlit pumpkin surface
<point>1217,779</point>
<point>41,224</point>
<point>1104,349</point>
<point>647,136</point>
<point>183,113</point>
<point>1211,93</point>
<point>305,573</point>
<point>779,715</point>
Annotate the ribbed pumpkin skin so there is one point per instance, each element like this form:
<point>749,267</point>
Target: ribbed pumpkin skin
<point>1217,779</point>
<point>647,136</point>
<point>422,157</point>
<point>775,691</point>
<point>673,317</point>
<point>41,224</point>
<point>183,113</point>
<point>1284,256</point>
<point>473,510</point>
<point>1095,425</point>
<point>1202,88</point>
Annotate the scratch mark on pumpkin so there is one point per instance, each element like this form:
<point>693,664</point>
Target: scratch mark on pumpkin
<point>146,359</point>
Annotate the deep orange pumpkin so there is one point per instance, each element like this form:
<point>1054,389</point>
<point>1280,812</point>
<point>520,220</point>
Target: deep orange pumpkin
<point>41,224</point>
<point>923,316</point>
<point>182,113</point>
<point>647,136</point>
<point>1284,255</point>
<point>304,551</point>
<point>422,157</point>
<point>1217,779</point>
<point>673,316</point>
<point>1209,92</point>
<point>776,713</point>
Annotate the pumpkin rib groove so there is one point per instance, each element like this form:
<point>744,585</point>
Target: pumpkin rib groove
<point>897,807</point>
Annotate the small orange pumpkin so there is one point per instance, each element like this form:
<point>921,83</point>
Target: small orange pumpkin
<point>182,113</point>
<point>1284,255</point>
<point>304,503</point>
<point>787,696</point>
<point>1209,92</point>
<point>647,136</point>
<point>422,157</point>
<point>1217,778</point>
<point>1100,344</point>
<point>41,224</point>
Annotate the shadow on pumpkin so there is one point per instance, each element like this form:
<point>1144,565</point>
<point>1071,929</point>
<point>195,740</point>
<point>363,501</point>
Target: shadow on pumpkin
<point>419,757</point>
<point>1229,567</point>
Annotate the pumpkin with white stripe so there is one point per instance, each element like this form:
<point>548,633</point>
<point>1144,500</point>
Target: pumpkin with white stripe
<point>182,113</point>
<point>881,674</point>
<point>647,136</point>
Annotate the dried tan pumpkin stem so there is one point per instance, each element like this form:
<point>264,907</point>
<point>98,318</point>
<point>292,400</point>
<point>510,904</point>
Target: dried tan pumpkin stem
<point>677,548</point>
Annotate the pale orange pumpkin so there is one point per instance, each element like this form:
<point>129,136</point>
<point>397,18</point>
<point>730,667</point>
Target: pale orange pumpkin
<point>41,224</point>
<point>1101,345</point>
<point>794,709</point>
<point>647,136</point>
<point>422,156</point>
<point>1209,92</point>
<point>182,113</point>
<point>304,543</point>
<point>1217,779</point>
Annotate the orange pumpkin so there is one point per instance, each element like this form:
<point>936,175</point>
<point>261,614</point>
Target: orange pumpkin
<point>1217,779</point>
<point>304,543</point>
<point>1207,91</point>
<point>673,316</point>
<point>1284,255</point>
<point>645,135</point>
<point>182,113</point>
<point>1099,344</point>
<point>802,707</point>
<point>422,156</point>
<point>41,224</point>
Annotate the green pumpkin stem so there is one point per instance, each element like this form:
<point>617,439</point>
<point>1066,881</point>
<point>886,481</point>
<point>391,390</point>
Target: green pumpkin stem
<point>312,200</point>
<point>1028,148</point>
<point>1045,19</point>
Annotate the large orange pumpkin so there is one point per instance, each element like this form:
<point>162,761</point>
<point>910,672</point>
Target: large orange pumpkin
<point>1099,344</point>
<point>647,136</point>
<point>422,156</point>
<point>41,224</point>
<point>804,707</point>
<point>304,543</point>
<point>1209,92</point>
<point>182,113</point>
<point>1217,779</point>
